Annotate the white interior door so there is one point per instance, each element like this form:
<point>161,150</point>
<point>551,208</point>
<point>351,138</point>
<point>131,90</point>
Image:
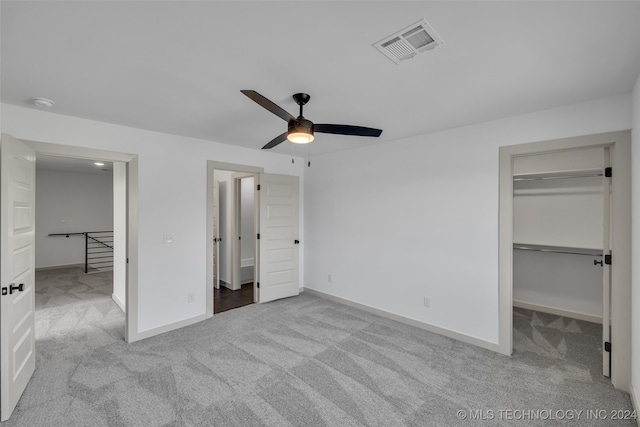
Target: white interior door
<point>606,270</point>
<point>278,242</point>
<point>216,235</point>
<point>17,307</point>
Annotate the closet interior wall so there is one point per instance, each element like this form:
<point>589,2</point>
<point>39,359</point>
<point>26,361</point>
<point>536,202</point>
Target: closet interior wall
<point>558,229</point>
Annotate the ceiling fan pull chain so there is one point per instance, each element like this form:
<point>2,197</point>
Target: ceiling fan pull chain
<point>309,156</point>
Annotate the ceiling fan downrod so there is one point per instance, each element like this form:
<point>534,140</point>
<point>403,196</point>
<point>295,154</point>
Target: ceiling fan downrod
<point>301,99</point>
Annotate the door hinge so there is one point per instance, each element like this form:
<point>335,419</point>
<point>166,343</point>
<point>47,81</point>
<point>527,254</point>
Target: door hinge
<point>258,236</point>
<point>258,187</point>
<point>607,259</point>
<point>127,260</point>
<point>608,172</point>
<point>5,290</point>
<point>258,285</point>
<point>607,346</point>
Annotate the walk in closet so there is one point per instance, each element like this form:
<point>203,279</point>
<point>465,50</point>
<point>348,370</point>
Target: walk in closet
<point>561,234</point>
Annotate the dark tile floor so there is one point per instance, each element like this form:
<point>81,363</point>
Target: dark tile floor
<point>225,299</point>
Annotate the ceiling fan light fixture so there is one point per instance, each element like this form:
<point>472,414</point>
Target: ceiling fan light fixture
<point>300,137</point>
<point>300,132</point>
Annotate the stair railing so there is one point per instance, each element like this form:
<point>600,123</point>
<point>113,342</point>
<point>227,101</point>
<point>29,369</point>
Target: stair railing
<point>98,249</point>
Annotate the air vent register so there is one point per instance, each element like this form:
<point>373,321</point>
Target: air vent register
<point>408,42</point>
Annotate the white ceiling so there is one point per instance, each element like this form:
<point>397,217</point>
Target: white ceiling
<point>178,67</point>
<point>70,165</point>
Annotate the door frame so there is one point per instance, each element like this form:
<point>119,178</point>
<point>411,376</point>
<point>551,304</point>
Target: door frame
<point>212,166</point>
<point>131,253</point>
<point>620,143</point>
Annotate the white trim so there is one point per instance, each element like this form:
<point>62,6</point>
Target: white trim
<point>60,267</point>
<point>246,262</point>
<point>131,300</point>
<point>408,321</point>
<point>558,311</point>
<point>118,302</point>
<point>171,327</point>
<point>226,285</point>
<point>634,402</point>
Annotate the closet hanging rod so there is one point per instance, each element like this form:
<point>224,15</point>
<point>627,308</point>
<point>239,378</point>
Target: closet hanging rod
<point>589,173</point>
<point>558,250</point>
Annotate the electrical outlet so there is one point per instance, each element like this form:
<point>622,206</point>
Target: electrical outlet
<point>330,278</point>
<point>427,302</point>
<point>190,297</point>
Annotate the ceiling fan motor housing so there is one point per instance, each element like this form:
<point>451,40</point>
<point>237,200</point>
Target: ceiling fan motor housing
<point>301,127</point>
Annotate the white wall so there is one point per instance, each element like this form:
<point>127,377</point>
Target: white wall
<point>560,212</point>
<point>635,301</point>
<point>247,229</point>
<point>419,217</point>
<point>225,211</point>
<point>247,247</point>
<point>172,183</point>
<point>119,233</point>
<point>566,282</point>
<point>70,202</point>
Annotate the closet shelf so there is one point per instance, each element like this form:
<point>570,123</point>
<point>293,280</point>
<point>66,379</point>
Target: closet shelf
<point>577,173</point>
<point>558,249</point>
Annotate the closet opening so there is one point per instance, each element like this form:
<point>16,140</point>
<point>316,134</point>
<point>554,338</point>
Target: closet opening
<point>561,211</point>
<point>565,215</point>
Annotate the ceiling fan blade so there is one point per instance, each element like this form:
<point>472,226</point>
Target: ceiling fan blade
<point>347,130</point>
<point>269,105</point>
<point>275,141</point>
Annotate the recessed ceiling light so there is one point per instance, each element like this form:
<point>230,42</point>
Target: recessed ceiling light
<point>99,164</point>
<point>43,102</point>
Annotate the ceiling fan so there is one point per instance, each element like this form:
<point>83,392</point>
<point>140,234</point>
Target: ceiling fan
<point>301,130</point>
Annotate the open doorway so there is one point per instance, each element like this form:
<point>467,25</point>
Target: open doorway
<point>216,244</point>
<point>277,240</point>
<point>613,149</point>
<point>125,226</point>
<point>18,237</point>
<point>74,249</point>
<point>235,240</point>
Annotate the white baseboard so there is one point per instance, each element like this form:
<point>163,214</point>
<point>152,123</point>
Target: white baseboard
<point>167,328</point>
<point>558,312</point>
<point>60,267</point>
<point>226,285</point>
<point>408,321</point>
<point>119,303</point>
<point>634,402</point>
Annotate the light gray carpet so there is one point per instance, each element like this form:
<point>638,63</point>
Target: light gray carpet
<point>303,361</point>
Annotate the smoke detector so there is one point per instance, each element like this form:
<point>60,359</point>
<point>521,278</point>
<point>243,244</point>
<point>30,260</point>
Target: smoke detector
<point>408,42</point>
<point>43,102</point>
